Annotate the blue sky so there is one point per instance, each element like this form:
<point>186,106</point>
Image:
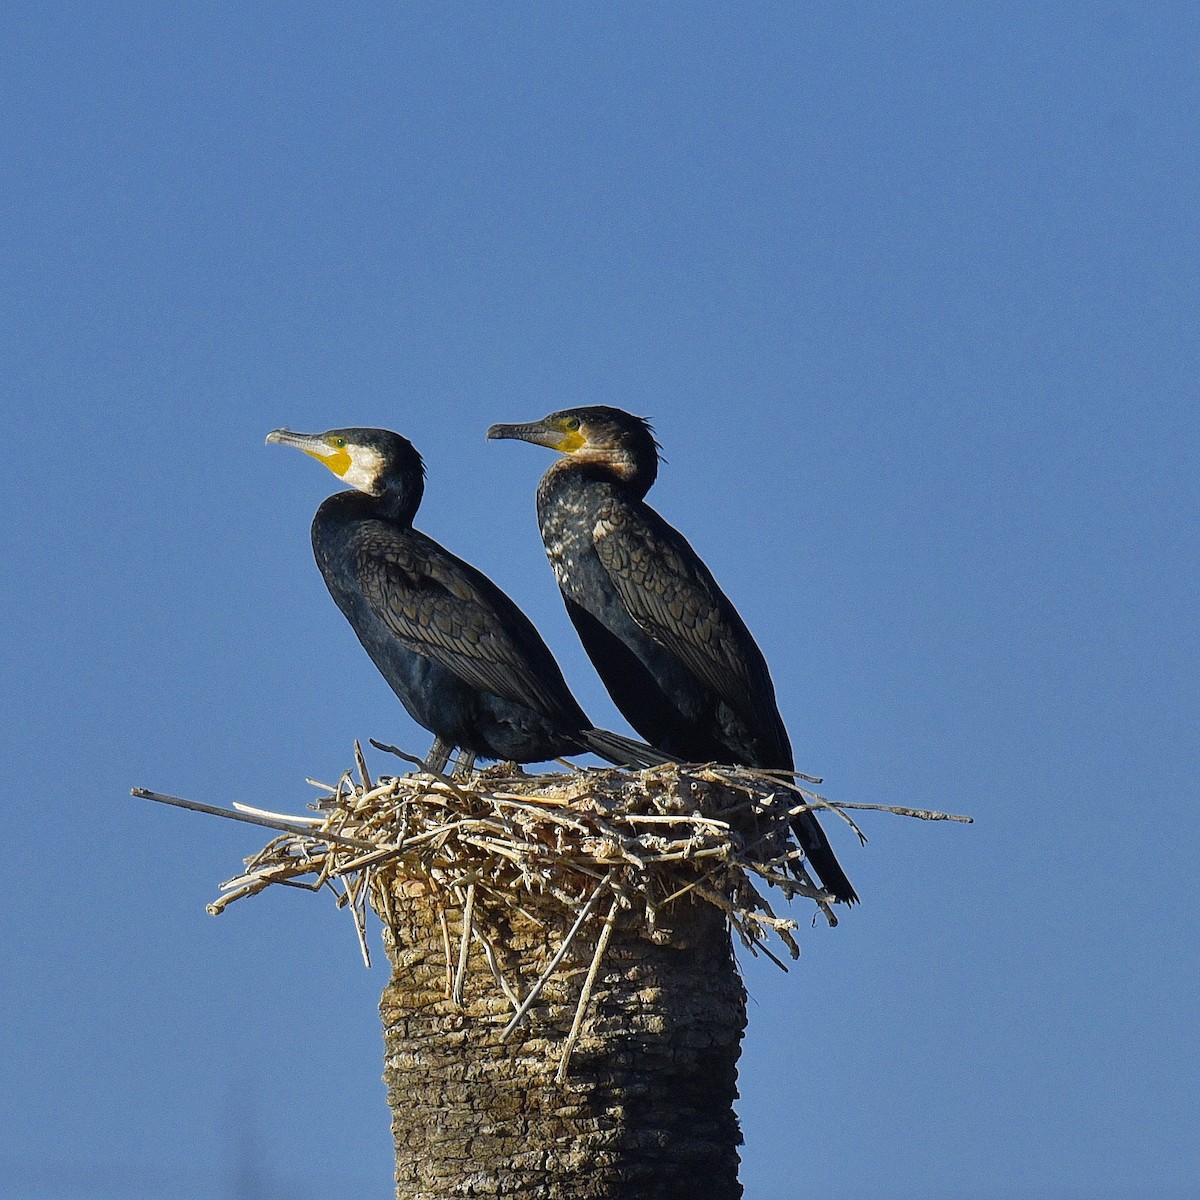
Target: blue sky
<point>910,293</point>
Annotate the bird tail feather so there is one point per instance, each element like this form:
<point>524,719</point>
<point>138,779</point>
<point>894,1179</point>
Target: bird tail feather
<point>623,751</point>
<point>821,857</point>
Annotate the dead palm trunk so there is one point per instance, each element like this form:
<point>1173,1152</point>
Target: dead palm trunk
<point>564,1014</point>
<point>645,1111</point>
<point>643,1002</point>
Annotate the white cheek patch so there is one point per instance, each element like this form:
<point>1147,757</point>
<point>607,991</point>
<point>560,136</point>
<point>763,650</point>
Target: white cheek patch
<point>365,465</point>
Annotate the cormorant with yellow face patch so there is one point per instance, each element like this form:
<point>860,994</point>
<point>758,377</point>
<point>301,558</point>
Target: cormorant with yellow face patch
<point>672,650</point>
<point>464,660</point>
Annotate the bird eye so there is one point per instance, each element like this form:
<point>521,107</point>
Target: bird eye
<point>570,424</point>
<point>340,443</point>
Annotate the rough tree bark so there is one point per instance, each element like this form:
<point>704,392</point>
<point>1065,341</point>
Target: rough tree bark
<point>646,1111</point>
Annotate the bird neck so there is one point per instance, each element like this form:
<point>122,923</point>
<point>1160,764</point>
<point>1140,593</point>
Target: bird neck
<point>399,501</point>
<point>620,466</point>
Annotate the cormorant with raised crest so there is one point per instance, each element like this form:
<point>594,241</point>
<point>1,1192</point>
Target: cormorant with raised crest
<point>464,660</point>
<point>671,648</point>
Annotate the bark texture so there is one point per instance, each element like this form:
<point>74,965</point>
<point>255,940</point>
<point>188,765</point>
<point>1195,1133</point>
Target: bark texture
<point>646,1112</point>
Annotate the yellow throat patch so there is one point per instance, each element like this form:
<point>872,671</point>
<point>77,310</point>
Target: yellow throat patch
<point>338,461</point>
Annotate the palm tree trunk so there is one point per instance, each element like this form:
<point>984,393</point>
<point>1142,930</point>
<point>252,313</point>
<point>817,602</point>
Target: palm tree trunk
<point>645,1111</point>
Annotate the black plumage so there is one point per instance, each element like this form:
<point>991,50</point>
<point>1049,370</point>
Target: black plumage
<point>675,655</point>
<point>464,660</point>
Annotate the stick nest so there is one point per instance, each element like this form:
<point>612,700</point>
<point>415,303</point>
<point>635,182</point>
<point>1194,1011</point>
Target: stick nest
<point>566,849</point>
<point>545,843</point>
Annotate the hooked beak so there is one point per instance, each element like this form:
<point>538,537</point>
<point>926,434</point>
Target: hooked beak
<point>310,443</point>
<point>337,459</point>
<point>537,432</point>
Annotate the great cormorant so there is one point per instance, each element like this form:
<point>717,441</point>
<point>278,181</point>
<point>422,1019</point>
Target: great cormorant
<point>464,660</point>
<point>672,650</point>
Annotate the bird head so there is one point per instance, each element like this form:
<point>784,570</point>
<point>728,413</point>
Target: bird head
<point>374,461</point>
<point>608,437</point>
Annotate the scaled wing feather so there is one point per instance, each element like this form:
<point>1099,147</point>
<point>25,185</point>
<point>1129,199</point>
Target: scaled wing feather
<point>673,597</point>
<point>433,609</point>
